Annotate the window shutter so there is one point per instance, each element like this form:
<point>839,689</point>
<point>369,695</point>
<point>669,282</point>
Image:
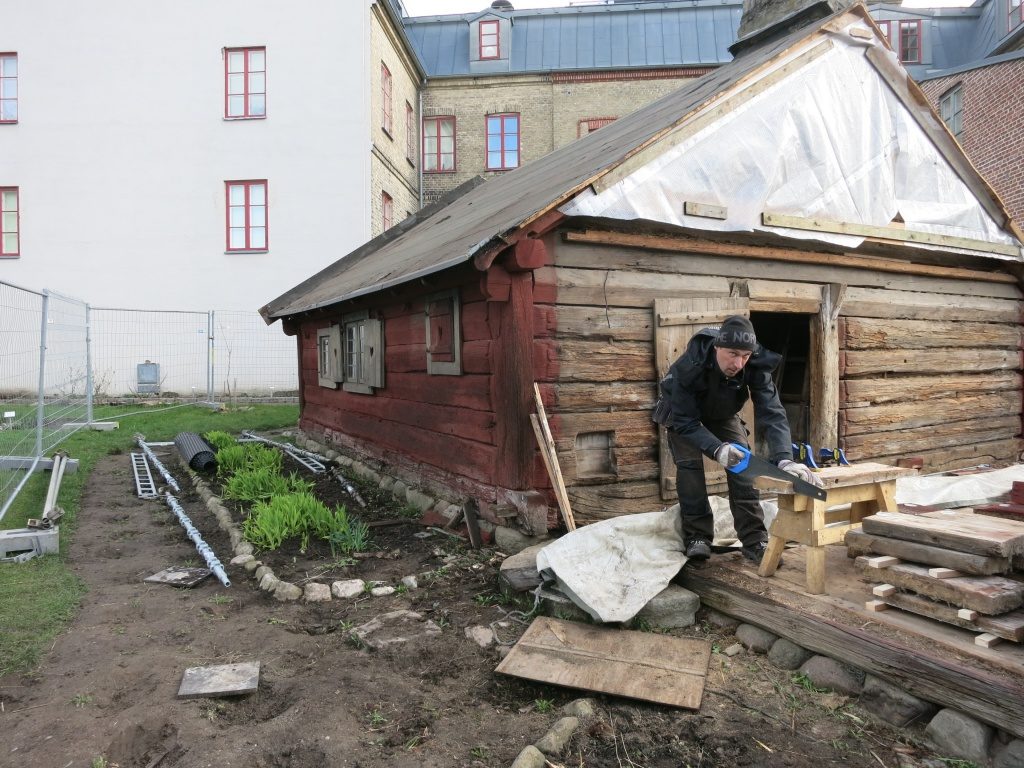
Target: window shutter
<point>373,353</point>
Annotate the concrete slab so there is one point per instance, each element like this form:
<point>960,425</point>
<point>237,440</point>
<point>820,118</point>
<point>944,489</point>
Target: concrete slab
<point>220,680</point>
<point>24,462</point>
<point>16,541</point>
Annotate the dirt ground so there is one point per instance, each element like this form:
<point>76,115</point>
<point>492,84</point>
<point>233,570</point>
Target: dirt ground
<point>107,691</point>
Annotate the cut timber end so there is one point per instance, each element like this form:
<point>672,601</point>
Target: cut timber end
<point>883,590</point>
<point>944,573</point>
<point>882,562</point>
<point>875,605</point>
<point>986,640</point>
<point>967,614</point>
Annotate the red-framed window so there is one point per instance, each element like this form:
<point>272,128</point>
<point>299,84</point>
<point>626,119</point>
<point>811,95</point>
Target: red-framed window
<point>247,215</point>
<point>490,40</point>
<point>385,95</point>
<point>245,82</point>
<point>8,87</point>
<point>387,211</point>
<point>9,239</point>
<point>910,41</point>
<point>439,144</point>
<point>410,133</point>
<point>502,141</point>
<point>591,124</point>
<point>1015,14</point>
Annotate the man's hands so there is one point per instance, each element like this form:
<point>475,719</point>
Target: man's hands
<point>802,471</point>
<point>728,455</point>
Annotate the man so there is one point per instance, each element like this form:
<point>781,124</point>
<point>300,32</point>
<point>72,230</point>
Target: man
<point>706,388</point>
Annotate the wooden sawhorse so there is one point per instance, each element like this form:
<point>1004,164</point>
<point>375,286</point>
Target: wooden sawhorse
<point>867,488</point>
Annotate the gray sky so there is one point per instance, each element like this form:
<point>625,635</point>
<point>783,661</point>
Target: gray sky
<point>432,7</point>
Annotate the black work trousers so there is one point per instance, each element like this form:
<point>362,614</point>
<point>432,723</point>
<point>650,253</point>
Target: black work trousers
<point>744,501</point>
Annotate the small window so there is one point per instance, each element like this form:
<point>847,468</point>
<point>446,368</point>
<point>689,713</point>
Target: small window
<point>9,241</point>
<point>595,455</point>
<point>8,87</point>
<point>910,42</point>
<point>247,215</point>
<point>385,95</point>
<point>951,106</point>
<point>886,28</point>
<point>245,82</point>
<point>588,126</point>
<point>1016,14</point>
<point>490,40</point>
<point>387,211</point>
<point>444,334</point>
<point>362,353</point>
<point>410,133</point>
<point>438,144</point>
<point>502,142</point>
<point>328,356</point>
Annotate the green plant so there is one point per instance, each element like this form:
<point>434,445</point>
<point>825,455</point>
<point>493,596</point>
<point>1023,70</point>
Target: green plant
<point>219,440</point>
<point>256,484</point>
<point>482,753</point>
<point>953,762</point>
<point>487,599</point>
<point>99,762</point>
<point>376,718</point>
<point>221,599</point>
<point>276,621</point>
<point>230,459</point>
<point>81,700</point>
<point>544,706</point>
<point>805,682</point>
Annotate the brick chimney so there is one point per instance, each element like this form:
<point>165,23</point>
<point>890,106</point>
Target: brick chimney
<point>765,20</point>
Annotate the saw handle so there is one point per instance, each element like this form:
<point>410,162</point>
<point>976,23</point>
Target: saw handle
<point>744,463</point>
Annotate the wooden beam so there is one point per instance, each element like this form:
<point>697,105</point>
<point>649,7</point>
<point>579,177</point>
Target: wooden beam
<point>818,258</point>
<point>860,543</point>
<point>830,226</point>
<point>991,697</point>
<point>824,372</point>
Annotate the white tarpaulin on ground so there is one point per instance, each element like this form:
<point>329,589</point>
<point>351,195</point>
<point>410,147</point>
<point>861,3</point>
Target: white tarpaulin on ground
<point>958,490</point>
<point>613,568</point>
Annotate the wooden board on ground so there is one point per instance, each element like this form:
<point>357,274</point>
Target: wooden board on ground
<point>1009,626</point>
<point>220,680</point>
<point>976,534</point>
<point>639,665</point>
<point>860,543</point>
<point>985,594</point>
<point>179,576</point>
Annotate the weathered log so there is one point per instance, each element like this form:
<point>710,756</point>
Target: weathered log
<point>911,415</point>
<point>585,360</point>
<point>920,361</point>
<point>912,441</point>
<point>602,322</point>
<point>985,594</point>
<point>859,543</point>
<point>944,459</point>
<point>611,395</point>
<point>911,305</point>
<point>898,388</point>
<point>872,333</point>
<point>621,288</point>
<point>976,534</point>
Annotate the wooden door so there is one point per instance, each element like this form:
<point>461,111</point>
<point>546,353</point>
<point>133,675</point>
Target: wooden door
<point>675,323</point>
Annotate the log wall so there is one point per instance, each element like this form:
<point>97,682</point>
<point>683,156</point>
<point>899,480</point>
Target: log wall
<point>928,366</point>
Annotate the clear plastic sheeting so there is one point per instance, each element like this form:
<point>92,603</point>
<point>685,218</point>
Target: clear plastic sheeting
<point>830,140</point>
<point>951,491</point>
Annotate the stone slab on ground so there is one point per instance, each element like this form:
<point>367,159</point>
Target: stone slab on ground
<point>220,680</point>
<point>672,608</point>
<point>518,572</point>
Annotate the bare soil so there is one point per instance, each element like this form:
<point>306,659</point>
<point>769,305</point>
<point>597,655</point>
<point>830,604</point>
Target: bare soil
<point>108,688</point>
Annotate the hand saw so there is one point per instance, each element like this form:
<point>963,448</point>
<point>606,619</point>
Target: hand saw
<point>755,467</point>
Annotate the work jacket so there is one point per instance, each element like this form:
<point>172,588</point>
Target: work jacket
<point>698,392</point>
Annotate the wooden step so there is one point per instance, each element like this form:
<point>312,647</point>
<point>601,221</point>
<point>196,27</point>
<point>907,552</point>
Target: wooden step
<point>974,534</point>
<point>989,595</point>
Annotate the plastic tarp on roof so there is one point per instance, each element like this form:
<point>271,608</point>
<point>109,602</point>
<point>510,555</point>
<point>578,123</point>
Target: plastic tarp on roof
<point>831,140</point>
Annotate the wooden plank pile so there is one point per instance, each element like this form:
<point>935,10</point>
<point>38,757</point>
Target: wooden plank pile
<point>953,567</point>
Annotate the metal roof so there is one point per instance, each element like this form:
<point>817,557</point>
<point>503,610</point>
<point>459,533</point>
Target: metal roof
<point>620,36</point>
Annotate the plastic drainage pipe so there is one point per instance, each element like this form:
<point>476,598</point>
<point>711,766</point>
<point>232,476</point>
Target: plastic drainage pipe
<point>201,546</point>
<point>284,446</point>
<point>56,475</point>
<point>196,451</point>
<point>141,440</point>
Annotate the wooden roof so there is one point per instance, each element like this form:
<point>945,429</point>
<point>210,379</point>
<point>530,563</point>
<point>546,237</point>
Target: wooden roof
<point>442,236</point>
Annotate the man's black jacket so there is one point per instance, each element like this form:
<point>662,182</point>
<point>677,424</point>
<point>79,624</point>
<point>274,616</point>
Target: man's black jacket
<point>698,391</point>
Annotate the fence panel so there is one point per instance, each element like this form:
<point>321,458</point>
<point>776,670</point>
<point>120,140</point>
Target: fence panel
<point>252,358</point>
<point>66,370</point>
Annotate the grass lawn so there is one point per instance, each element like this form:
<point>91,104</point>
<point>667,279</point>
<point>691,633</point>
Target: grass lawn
<point>39,597</point>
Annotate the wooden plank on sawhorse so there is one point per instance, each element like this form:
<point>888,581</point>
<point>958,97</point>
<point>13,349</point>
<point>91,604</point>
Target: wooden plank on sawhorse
<point>639,665</point>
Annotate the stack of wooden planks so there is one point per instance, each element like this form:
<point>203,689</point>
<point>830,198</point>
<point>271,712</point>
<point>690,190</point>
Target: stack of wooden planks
<point>1011,510</point>
<point>952,566</point>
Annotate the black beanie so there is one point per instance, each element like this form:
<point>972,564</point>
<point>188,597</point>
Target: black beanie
<point>736,332</point>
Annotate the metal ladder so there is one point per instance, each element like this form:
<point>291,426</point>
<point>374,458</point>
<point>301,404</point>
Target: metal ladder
<point>144,485</point>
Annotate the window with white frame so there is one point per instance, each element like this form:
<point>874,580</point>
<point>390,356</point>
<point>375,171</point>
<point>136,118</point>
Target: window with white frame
<point>951,107</point>
<point>444,333</point>
<point>247,215</point>
<point>502,141</point>
<point>10,245</point>
<point>385,95</point>
<point>439,144</point>
<point>490,40</point>
<point>8,87</point>
<point>245,82</point>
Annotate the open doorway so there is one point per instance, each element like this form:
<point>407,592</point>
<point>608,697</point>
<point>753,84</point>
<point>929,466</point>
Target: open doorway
<point>789,335</point>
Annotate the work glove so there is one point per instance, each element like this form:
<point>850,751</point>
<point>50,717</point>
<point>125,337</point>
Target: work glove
<point>728,455</point>
<point>796,469</point>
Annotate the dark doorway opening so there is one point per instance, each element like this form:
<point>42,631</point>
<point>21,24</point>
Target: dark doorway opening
<point>789,335</point>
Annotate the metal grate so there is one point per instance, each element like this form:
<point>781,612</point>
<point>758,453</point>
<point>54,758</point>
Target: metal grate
<point>144,485</point>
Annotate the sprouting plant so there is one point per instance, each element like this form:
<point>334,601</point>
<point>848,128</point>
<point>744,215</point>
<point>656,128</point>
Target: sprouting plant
<point>413,742</point>
<point>218,439</point>
<point>805,682</point>
<point>262,483</point>
<point>487,599</point>
<point>213,711</point>
<point>953,762</point>
<point>99,762</point>
<point>401,589</point>
<point>276,621</point>
<point>544,706</point>
<point>81,700</point>
<point>376,718</point>
<point>481,753</point>
<point>221,599</point>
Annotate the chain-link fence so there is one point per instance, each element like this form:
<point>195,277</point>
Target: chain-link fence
<point>59,357</point>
